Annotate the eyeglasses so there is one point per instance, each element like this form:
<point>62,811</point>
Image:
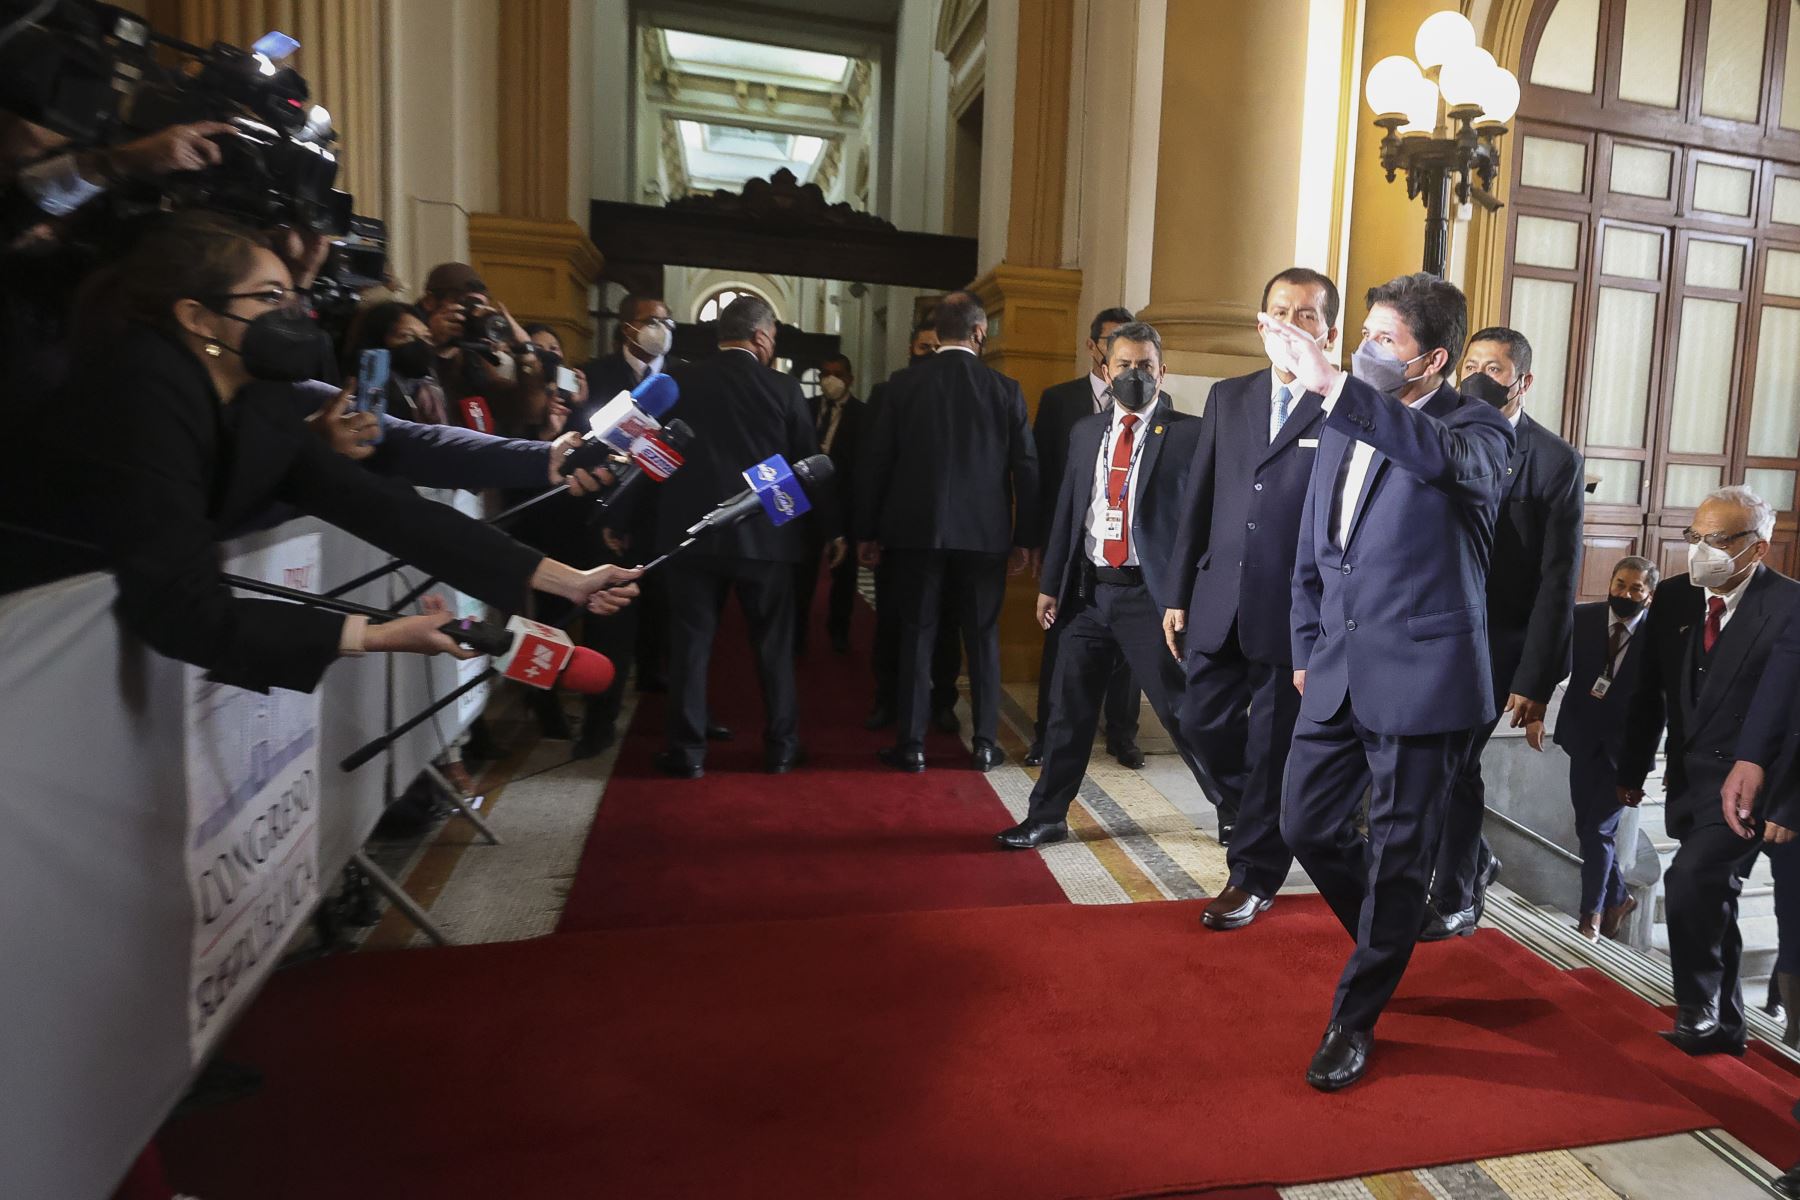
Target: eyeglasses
<point>277,297</point>
<point>1718,541</point>
<point>667,323</point>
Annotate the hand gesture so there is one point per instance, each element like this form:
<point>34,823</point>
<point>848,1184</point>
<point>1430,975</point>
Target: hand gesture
<point>422,634</point>
<point>1174,625</point>
<point>1524,710</point>
<point>351,434</point>
<point>1737,798</point>
<point>1311,368</point>
<point>177,148</point>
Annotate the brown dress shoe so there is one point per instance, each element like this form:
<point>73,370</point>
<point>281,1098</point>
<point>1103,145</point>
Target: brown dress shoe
<point>1613,918</point>
<point>1589,927</point>
<point>1233,908</point>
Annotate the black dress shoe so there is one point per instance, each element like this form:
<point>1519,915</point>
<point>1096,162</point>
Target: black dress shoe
<point>910,761</point>
<point>1483,882</point>
<point>987,756</point>
<point>782,763</point>
<point>1226,825</point>
<point>1034,755</point>
<point>596,738</point>
<point>1441,927</point>
<point>1342,1058</point>
<point>1233,908</point>
<point>1128,755</point>
<point>716,732</point>
<point>946,720</point>
<point>1788,1184</point>
<point>880,717</point>
<point>1031,833</point>
<point>674,762</point>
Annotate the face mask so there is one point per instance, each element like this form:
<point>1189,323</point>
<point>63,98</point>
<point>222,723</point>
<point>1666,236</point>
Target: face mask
<point>1624,607</point>
<point>833,387</point>
<point>412,359</point>
<point>1381,368</point>
<point>552,362</point>
<point>653,338</point>
<point>1709,567</point>
<point>923,356</point>
<point>1484,387</point>
<point>1133,389</point>
<point>1278,353</point>
<point>284,345</point>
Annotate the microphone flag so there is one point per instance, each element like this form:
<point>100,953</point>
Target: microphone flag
<point>781,494</point>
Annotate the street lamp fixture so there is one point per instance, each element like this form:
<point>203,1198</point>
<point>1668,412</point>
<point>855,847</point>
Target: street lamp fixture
<point>1441,117</point>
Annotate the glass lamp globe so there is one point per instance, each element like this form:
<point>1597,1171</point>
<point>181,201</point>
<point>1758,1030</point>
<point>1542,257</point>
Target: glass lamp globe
<point>1391,84</point>
<point>1465,79</point>
<point>1421,108</point>
<point>1441,37</point>
<point>1500,97</point>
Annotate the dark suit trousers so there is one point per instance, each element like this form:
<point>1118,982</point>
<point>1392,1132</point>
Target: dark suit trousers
<point>1593,790</point>
<point>1378,893</point>
<point>1705,947</point>
<point>765,591</point>
<point>1118,621</point>
<point>837,604</point>
<point>946,652</point>
<point>1239,717</point>
<point>652,641</point>
<point>970,584</point>
<point>1464,848</point>
<point>1122,710</point>
<point>1784,863</point>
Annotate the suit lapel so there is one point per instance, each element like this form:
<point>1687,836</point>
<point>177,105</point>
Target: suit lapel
<point>1154,427</point>
<point>1736,641</point>
<point>1376,466</point>
<point>1521,452</point>
<point>1300,418</point>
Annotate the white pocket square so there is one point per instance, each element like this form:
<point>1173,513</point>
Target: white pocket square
<point>1309,443</point>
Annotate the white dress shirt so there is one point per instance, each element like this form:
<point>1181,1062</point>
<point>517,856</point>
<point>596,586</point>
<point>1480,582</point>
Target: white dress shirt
<point>964,349</point>
<point>640,368</point>
<point>1102,398</point>
<point>1097,506</point>
<point>1356,468</point>
<point>1731,600</point>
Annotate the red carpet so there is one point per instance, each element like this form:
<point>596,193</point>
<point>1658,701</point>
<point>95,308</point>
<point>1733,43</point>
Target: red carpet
<point>1754,1104</point>
<point>843,835</point>
<point>1037,1051</point>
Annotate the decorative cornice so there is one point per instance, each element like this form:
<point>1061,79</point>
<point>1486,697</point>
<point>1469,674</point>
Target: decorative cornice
<point>1225,327</point>
<point>563,240</point>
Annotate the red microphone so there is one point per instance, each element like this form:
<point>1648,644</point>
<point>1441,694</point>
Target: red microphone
<point>535,654</point>
<point>477,415</point>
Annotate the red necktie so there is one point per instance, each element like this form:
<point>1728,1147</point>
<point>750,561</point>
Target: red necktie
<point>1118,495</point>
<point>1715,608</point>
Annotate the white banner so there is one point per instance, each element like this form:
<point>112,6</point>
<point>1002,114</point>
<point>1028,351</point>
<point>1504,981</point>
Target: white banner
<point>472,702</point>
<point>253,818</point>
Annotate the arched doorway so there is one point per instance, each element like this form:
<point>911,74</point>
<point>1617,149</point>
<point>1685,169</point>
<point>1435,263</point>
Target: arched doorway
<point>1653,250</point>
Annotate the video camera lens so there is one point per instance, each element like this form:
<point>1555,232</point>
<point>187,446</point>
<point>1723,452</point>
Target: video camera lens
<point>486,327</point>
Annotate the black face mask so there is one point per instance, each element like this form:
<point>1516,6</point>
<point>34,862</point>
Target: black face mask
<point>412,359</point>
<point>1624,607</point>
<point>284,345</point>
<point>1484,387</point>
<point>1135,389</point>
<point>552,362</point>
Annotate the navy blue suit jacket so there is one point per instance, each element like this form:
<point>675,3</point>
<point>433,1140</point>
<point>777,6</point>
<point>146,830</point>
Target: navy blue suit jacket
<point>1585,724</point>
<point>1060,406</point>
<point>1240,518</point>
<point>1397,619</point>
<point>1162,470</point>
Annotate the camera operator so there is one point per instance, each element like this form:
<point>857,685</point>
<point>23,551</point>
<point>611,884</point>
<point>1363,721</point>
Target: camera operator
<point>483,355</point>
<point>55,185</point>
<point>168,341</point>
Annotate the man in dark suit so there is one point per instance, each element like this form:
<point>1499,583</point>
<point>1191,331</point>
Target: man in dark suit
<point>1590,728</point>
<point>1709,636</point>
<point>1389,630</point>
<point>837,417</point>
<point>742,412</point>
<point>1106,576</point>
<point>1059,408</point>
<point>641,347</point>
<point>946,652</point>
<point>1234,557</point>
<point>1531,587</point>
<point>949,487</point>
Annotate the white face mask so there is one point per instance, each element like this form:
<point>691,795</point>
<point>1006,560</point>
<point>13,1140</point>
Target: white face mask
<point>1710,567</point>
<point>653,338</point>
<point>833,387</point>
<point>1277,350</point>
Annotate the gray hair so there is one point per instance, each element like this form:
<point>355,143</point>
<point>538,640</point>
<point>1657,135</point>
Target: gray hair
<point>1633,562</point>
<point>1762,513</point>
<point>743,317</point>
<point>1135,331</point>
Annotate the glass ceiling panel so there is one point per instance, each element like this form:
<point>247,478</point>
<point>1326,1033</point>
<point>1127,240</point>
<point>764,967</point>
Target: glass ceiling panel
<point>703,54</point>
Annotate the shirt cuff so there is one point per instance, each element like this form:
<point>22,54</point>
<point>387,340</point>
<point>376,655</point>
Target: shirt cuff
<point>350,639</point>
<point>1332,393</point>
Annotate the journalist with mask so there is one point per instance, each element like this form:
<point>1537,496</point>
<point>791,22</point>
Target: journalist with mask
<point>1389,631</point>
<point>1106,577</point>
<point>838,419</point>
<point>176,333</point>
<point>1228,623</point>
<point>1531,586</point>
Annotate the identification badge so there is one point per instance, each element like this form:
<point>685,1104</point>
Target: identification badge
<point>1602,685</point>
<point>1115,524</point>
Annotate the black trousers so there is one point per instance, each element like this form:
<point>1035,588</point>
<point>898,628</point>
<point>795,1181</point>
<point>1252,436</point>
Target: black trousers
<point>1122,709</point>
<point>1705,948</point>
<point>971,585</point>
<point>1465,849</point>
<point>1118,621</point>
<point>697,589</point>
<point>1239,717</point>
<point>837,603</point>
<point>653,633</point>
<point>946,652</point>
<point>1377,891</point>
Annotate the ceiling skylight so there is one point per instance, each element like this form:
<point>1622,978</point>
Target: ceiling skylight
<point>701,53</point>
<point>724,156</point>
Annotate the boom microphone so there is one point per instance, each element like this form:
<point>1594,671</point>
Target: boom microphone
<point>619,423</point>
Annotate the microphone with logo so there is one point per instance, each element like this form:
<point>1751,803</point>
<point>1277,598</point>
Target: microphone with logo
<point>525,651</point>
<point>617,425</point>
<point>775,488</point>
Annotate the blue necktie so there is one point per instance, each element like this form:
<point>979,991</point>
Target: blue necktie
<point>1283,398</point>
